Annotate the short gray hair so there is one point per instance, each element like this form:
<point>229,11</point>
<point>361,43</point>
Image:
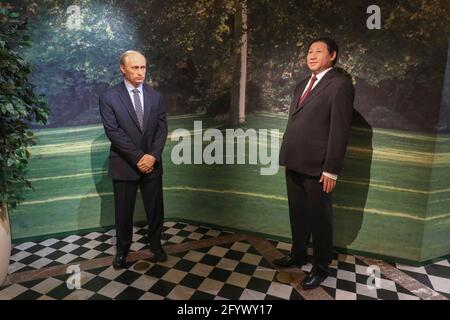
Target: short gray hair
<point>126,54</point>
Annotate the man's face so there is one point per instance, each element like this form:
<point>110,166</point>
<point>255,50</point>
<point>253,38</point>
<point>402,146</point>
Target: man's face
<point>318,58</point>
<point>134,68</point>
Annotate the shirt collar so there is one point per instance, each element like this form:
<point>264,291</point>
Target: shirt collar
<point>321,74</point>
<point>130,87</point>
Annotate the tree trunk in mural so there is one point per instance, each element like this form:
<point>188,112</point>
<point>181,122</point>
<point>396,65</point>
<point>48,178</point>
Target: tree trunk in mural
<point>237,107</point>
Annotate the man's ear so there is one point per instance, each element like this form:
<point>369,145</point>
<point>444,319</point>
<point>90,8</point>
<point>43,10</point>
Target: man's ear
<point>122,69</point>
<point>333,56</point>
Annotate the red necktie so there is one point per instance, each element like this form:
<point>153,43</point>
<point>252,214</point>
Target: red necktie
<point>303,97</point>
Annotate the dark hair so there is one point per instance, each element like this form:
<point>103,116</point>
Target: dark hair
<point>331,46</point>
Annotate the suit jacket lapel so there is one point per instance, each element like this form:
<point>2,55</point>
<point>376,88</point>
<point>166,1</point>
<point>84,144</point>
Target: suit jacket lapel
<point>126,100</point>
<point>147,104</point>
<point>323,83</point>
<point>298,93</point>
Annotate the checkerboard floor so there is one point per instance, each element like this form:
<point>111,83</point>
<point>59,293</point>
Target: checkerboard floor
<point>75,248</point>
<point>233,270</point>
<point>352,279</point>
<point>435,276</point>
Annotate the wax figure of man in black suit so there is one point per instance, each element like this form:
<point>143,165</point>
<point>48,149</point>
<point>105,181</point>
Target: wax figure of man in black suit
<point>312,151</point>
<point>135,122</point>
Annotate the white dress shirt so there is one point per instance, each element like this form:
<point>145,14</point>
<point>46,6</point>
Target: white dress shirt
<point>130,89</point>
<point>319,76</point>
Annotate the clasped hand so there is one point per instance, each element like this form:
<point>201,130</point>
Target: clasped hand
<point>146,163</point>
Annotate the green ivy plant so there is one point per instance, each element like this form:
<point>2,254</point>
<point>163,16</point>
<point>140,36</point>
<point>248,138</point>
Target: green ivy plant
<point>20,107</point>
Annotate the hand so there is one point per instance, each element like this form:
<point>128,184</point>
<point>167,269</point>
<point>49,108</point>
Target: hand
<point>146,163</point>
<point>328,183</point>
<point>147,171</point>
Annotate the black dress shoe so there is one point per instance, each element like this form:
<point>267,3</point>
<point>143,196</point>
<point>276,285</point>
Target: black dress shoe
<point>312,281</point>
<point>288,261</point>
<point>159,255</point>
<point>119,262</point>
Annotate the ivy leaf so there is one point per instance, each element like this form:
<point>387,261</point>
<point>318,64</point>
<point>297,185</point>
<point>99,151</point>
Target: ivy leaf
<point>11,162</point>
<point>4,11</point>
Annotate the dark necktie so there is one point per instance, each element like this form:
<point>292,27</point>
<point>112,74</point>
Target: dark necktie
<point>303,97</point>
<point>138,107</point>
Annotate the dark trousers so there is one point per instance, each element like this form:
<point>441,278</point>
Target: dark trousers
<point>124,201</point>
<point>311,213</point>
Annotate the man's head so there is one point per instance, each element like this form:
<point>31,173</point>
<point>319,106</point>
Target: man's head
<point>133,66</point>
<point>322,54</point>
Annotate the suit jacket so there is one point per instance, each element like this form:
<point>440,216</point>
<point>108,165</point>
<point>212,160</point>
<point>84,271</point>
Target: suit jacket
<point>128,142</point>
<point>318,130</point>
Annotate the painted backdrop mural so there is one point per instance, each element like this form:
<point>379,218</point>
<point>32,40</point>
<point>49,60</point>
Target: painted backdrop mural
<point>392,198</point>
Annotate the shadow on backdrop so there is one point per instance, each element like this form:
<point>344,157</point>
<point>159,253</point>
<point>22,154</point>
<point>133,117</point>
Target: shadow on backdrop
<point>354,184</point>
<point>97,208</point>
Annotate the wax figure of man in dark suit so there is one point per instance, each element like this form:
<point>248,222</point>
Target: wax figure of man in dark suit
<point>135,122</point>
<point>312,151</point>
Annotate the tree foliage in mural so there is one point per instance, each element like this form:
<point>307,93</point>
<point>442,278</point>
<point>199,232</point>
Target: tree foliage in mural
<point>189,44</point>
<point>75,62</point>
<point>403,62</point>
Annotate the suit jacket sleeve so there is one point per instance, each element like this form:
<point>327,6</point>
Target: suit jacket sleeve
<point>340,124</point>
<point>119,139</point>
<point>160,136</point>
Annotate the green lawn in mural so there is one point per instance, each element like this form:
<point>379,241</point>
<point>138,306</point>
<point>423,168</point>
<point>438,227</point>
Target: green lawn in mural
<point>381,200</point>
